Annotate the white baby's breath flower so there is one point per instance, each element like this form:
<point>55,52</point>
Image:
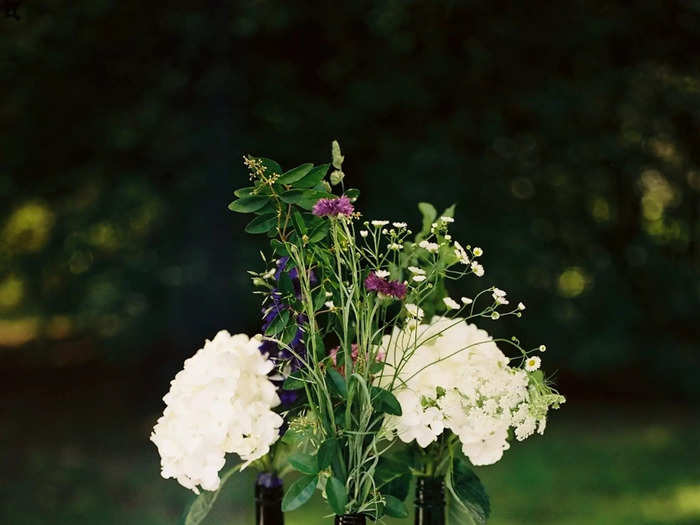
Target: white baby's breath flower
<point>447,219</point>
<point>521,306</point>
<point>450,303</point>
<point>532,363</point>
<point>329,304</point>
<point>495,315</point>
<point>543,348</point>
<point>466,300</point>
<point>432,247</point>
<point>448,237</point>
<point>499,296</point>
<point>329,294</point>
<point>415,311</point>
<point>364,233</point>
<point>381,273</point>
<point>399,224</point>
<point>419,278</point>
<point>221,402</point>
<point>385,231</point>
<point>395,246</point>
<point>461,253</point>
<point>477,269</point>
<point>478,252</point>
<point>379,224</point>
<point>415,269</point>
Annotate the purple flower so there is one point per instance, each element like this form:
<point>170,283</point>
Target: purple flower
<point>374,283</point>
<point>333,207</point>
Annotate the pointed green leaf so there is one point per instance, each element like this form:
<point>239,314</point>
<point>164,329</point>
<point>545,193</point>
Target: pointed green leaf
<point>336,155</point>
<point>270,166</point>
<point>429,214</point>
<point>394,507</point>
<point>449,212</point>
<point>262,224</point>
<point>384,401</point>
<point>279,324</point>
<point>338,382</point>
<point>244,192</point>
<point>304,463</point>
<point>467,501</point>
<point>248,204</point>
<point>295,174</point>
<point>299,493</point>
<point>337,495</point>
<point>313,177</point>
<point>352,194</point>
<point>326,451</point>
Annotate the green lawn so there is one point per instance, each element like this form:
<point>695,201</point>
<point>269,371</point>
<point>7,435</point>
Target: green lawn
<point>620,465</point>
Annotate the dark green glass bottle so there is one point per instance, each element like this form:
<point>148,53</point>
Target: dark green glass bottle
<point>268,500</point>
<point>430,501</point>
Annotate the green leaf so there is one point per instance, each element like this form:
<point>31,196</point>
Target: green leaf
<point>299,493</point>
<point>429,214</point>
<point>279,247</point>
<point>313,177</point>
<point>205,501</point>
<point>338,382</point>
<point>304,463</point>
<point>326,451</point>
<point>279,324</point>
<point>384,401</point>
<point>244,192</point>
<point>394,507</point>
<point>449,212</point>
<point>248,204</point>
<point>262,224</point>
<point>295,174</point>
<point>299,223</point>
<point>467,501</point>
<point>337,496</point>
<point>320,232</point>
<point>271,166</point>
<point>290,331</point>
<point>352,194</point>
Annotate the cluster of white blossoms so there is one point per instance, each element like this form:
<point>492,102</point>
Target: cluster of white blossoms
<point>453,376</point>
<point>221,402</point>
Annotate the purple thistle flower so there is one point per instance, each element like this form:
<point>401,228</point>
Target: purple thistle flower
<point>333,207</point>
<point>395,289</point>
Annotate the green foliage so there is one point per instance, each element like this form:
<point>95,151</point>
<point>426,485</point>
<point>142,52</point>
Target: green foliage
<point>467,501</point>
<point>304,463</point>
<point>203,503</point>
<point>337,496</point>
<point>299,493</point>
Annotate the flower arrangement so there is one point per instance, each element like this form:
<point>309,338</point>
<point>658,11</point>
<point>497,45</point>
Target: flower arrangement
<point>367,371</point>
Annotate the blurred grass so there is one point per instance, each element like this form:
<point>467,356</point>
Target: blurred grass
<point>90,462</point>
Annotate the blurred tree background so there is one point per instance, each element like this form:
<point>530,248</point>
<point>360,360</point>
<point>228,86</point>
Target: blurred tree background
<point>567,134</point>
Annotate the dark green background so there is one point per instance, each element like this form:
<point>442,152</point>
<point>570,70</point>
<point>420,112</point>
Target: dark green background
<point>567,134</point>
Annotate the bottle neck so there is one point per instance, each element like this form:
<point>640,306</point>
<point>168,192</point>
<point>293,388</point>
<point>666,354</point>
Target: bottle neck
<point>351,519</point>
<point>268,500</point>
<point>430,501</point>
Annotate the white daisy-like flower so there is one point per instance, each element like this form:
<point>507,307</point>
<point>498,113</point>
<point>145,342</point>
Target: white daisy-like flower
<point>466,300</point>
<point>532,363</point>
<point>379,224</point>
<point>399,224</point>
<point>432,247</point>
<point>419,278</point>
<point>415,269</point>
<point>495,315</point>
<point>415,311</point>
<point>450,303</point>
<point>477,269</point>
<point>478,252</point>
<point>447,219</point>
<point>381,273</point>
<point>543,348</point>
<point>364,233</point>
<point>220,403</point>
<point>329,304</point>
<point>521,306</point>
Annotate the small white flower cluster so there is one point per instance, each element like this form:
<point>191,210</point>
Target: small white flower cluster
<point>454,376</point>
<point>219,403</point>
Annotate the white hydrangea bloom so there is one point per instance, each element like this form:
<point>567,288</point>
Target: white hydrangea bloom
<point>219,403</point>
<point>456,377</point>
